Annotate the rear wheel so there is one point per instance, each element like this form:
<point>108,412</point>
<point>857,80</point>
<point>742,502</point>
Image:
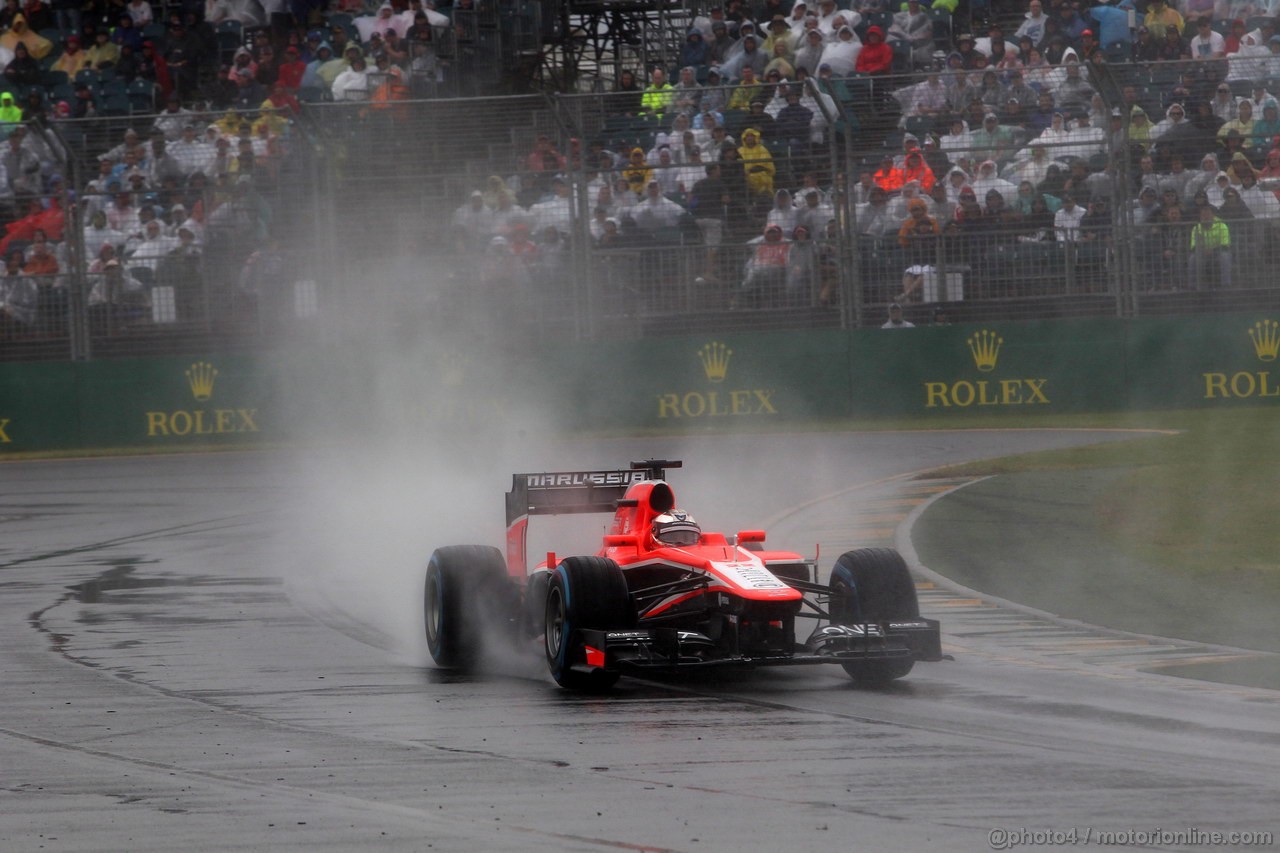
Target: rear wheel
<point>873,585</point>
<point>583,592</point>
<point>460,580</point>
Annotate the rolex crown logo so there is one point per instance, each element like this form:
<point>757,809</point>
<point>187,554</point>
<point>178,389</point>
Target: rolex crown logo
<point>200,377</point>
<point>715,360</point>
<point>985,346</point>
<point>1266,339</point>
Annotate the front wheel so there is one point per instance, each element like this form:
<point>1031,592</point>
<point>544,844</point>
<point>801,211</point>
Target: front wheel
<point>873,586</point>
<point>584,592</point>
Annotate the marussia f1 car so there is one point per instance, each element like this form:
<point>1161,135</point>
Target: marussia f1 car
<point>661,595</point>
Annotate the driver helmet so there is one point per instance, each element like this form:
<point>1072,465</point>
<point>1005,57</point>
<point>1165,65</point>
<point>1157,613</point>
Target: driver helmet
<point>676,528</point>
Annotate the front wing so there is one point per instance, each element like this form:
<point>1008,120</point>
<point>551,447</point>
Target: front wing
<point>669,649</point>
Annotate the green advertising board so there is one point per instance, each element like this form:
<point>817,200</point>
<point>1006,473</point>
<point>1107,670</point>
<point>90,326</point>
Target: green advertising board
<point>708,381</point>
<point>705,382</point>
<point>1211,361</point>
<point>39,406</point>
<point>1041,367</point>
<point>135,403</point>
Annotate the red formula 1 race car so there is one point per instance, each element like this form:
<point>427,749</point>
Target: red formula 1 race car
<point>662,595</point>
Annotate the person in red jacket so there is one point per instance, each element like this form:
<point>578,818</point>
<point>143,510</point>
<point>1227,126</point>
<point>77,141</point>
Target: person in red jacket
<point>917,170</point>
<point>291,70</point>
<point>888,177</point>
<point>876,57</point>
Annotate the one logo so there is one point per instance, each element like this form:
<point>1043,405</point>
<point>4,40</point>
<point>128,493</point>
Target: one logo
<point>1266,339</point>
<point>715,360</point>
<point>985,347</point>
<point>200,377</point>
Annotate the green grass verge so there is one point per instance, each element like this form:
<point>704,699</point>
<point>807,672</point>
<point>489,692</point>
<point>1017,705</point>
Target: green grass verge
<point>1204,500</point>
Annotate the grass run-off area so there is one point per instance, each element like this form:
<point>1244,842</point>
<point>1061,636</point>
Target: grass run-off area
<point>1205,500</point>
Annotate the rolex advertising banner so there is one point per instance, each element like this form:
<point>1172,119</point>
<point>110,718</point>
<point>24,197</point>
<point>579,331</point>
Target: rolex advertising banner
<point>197,400</point>
<point>1211,361</point>
<point>704,382</point>
<point>144,402</point>
<point>991,368</point>
<point>692,383</point>
<point>39,406</point>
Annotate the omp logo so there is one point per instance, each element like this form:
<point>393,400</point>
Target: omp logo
<point>984,347</point>
<point>1245,384</point>
<point>182,422</point>
<point>4,431</point>
<point>1266,339</point>
<point>714,358</point>
<point>200,377</point>
<point>715,361</point>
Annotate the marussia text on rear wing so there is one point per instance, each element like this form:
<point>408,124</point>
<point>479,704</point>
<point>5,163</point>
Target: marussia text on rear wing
<point>567,492</point>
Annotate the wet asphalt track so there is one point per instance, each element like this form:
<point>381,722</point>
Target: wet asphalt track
<point>169,685</point>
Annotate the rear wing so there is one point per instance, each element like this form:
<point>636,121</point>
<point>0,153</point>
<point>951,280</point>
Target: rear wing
<point>566,492</point>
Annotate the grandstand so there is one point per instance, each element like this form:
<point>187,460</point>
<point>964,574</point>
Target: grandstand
<point>1063,175</point>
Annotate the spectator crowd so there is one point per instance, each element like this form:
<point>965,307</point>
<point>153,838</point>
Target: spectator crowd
<point>985,160</point>
<point>1005,162</point>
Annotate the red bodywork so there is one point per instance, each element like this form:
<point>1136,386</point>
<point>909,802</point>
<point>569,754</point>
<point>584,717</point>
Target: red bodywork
<point>729,568</point>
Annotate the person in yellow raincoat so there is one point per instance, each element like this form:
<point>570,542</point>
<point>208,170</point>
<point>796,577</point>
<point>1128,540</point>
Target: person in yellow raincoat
<point>18,31</point>
<point>757,163</point>
<point>637,172</point>
<point>229,124</point>
<point>10,113</point>
<point>73,59</point>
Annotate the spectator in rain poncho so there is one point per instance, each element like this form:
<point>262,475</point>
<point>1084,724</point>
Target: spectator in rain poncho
<point>1034,168</point>
<point>766,271</point>
<point>311,78</point>
<point>809,54</point>
<point>385,18</point>
<point>637,172</point>
<point>749,56</point>
<point>154,246</point>
<point>329,71</point>
<point>694,51</point>
<point>757,163</point>
<point>352,84</point>
<point>1249,62</point>
<point>18,33</point>
<point>842,54</point>
<point>10,113</point>
<point>1175,121</point>
<point>98,233</point>
<point>876,57</point>
<point>780,33</point>
<point>987,179</point>
<point>957,182</point>
<point>656,212</point>
<point>912,33</point>
<point>1202,179</point>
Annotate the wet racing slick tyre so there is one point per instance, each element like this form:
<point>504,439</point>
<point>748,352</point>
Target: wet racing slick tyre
<point>583,592</point>
<point>873,585</point>
<point>463,583</point>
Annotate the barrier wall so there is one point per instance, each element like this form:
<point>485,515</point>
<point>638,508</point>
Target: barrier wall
<point>696,383</point>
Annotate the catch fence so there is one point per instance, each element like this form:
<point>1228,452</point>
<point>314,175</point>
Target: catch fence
<point>358,218</point>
